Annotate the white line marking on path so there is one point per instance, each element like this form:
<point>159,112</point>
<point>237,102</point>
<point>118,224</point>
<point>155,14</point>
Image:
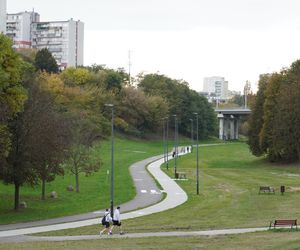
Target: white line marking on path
<point>143,191</point>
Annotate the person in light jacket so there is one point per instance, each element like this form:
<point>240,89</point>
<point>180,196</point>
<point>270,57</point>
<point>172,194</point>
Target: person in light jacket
<point>108,219</point>
<point>117,220</point>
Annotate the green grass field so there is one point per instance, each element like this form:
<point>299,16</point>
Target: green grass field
<point>229,183</point>
<point>250,241</point>
<point>94,190</point>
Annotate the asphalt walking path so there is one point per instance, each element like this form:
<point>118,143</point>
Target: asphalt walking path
<point>147,194</point>
<point>26,238</point>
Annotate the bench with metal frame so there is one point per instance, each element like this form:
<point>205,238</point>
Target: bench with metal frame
<point>282,223</point>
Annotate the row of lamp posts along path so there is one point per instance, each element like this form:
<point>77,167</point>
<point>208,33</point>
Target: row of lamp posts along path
<point>165,146</point>
<point>166,150</point>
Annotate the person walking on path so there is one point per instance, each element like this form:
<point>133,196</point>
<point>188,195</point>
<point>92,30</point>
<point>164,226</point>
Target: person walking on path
<point>106,222</point>
<point>117,220</point>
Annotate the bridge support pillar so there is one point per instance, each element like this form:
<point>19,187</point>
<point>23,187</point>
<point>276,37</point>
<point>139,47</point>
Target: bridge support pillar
<point>221,127</point>
<point>236,128</point>
<point>232,128</point>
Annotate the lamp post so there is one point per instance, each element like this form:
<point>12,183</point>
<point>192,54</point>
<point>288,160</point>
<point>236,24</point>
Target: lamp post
<point>167,135</point>
<point>175,146</point>
<point>197,172</point>
<point>192,133</point>
<point>112,161</point>
<point>164,139</point>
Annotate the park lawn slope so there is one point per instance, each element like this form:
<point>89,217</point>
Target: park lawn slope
<point>230,178</point>
<point>94,190</point>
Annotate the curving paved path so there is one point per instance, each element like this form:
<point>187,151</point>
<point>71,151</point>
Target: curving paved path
<point>175,196</point>
<point>142,181</point>
<point>25,238</point>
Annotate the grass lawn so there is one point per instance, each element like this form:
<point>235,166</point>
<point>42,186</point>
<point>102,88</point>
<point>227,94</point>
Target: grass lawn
<point>250,241</point>
<point>229,183</point>
<point>94,190</point>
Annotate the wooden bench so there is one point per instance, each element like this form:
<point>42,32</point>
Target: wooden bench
<point>282,223</point>
<point>266,190</point>
<point>181,175</point>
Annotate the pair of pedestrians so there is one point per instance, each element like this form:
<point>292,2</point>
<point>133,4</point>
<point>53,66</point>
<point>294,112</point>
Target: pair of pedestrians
<point>107,220</point>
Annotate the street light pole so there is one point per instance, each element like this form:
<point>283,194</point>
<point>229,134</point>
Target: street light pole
<point>197,174</point>
<point>192,133</point>
<point>167,135</point>
<point>164,139</point>
<point>112,161</point>
<point>175,146</point>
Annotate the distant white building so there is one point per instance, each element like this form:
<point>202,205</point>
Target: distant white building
<point>216,86</point>
<point>18,28</point>
<point>64,39</point>
<point>2,16</point>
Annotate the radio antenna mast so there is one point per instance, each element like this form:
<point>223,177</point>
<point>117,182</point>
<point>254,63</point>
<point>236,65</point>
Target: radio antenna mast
<point>129,66</point>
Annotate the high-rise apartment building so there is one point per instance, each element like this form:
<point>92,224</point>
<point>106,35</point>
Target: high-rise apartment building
<point>63,39</point>
<point>18,28</point>
<point>216,86</point>
<point>2,16</point>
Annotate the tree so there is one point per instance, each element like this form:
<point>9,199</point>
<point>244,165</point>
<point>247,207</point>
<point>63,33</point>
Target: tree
<point>271,105</point>
<point>85,131</point>
<point>12,96</point>
<point>39,140</point>
<point>142,111</point>
<point>274,129</point>
<point>75,76</point>
<point>28,55</point>
<point>181,101</point>
<point>44,61</point>
<point>80,161</point>
<point>51,141</point>
<point>256,120</point>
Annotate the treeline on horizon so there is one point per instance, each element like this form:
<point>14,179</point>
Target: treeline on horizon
<point>274,129</point>
<point>49,120</point>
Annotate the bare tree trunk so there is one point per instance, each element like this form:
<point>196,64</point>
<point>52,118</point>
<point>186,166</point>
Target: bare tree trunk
<point>43,189</point>
<point>17,195</point>
<point>77,182</point>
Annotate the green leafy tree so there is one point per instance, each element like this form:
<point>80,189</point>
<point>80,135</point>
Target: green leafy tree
<point>75,76</point>
<point>270,109</point>
<point>256,119</point>
<point>84,133</point>
<point>273,125</point>
<point>52,136</point>
<point>44,61</point>
<point>181,101</point>
<point>12,94</point>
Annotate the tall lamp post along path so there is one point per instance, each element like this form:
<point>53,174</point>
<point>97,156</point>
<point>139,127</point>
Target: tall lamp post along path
<point>175,146</point>
<point>197,171</point>
<point>167,138</point>
<point>112,161</point>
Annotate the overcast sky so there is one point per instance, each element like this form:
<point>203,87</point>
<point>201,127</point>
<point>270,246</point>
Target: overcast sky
<point>184,39</point>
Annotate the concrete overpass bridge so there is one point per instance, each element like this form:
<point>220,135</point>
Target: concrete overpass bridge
<point>229,120</point>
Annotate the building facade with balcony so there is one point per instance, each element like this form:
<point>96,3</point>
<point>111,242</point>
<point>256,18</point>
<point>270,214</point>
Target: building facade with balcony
<point>64,39</point>
<point>18,28</point>
<point>3,16</point>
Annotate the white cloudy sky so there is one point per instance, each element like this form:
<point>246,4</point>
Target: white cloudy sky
<point>184,39</point>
